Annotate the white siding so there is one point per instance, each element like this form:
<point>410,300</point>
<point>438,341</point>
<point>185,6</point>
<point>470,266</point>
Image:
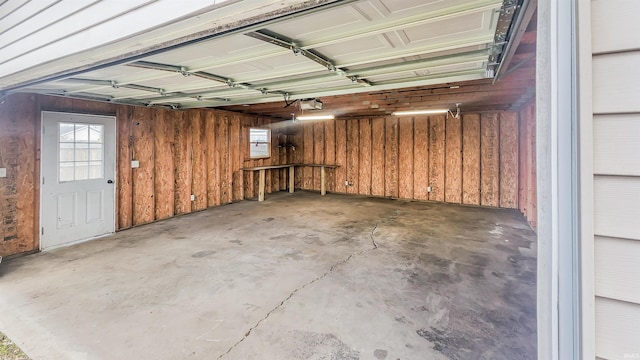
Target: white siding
<point>618,326</point>
<point>616,184</point>
<point>616,144</point>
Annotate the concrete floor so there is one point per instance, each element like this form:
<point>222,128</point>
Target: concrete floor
<point>299,276</point>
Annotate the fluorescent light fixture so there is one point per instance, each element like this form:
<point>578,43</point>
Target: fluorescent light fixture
<point>420,112</point>
<point>315,117</point>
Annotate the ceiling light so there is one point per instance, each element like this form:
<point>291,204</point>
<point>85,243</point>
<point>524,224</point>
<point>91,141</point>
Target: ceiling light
<point>420,112</point>
<point>315,117</point>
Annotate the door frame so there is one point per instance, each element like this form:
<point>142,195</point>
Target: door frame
<point>111,117</point>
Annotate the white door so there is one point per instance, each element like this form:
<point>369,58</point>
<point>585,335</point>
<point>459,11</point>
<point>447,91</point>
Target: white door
<point>77,196</point>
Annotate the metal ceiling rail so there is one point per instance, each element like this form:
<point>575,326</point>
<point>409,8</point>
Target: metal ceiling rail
<point>517,30</point>
<point>451,59</point>
<point>279,40</point>
<point>463,75</point>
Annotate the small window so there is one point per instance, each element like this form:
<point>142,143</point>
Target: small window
<point>259,143</point>
<point>80,152</point>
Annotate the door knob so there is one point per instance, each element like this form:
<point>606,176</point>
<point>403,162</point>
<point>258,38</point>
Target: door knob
<point>109,181</point>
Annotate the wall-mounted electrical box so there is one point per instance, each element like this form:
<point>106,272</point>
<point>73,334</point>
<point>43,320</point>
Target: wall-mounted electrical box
<point>3,172</point>
<point>135,164</point>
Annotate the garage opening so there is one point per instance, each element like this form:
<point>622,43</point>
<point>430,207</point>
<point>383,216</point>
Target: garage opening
<point>391,146</point>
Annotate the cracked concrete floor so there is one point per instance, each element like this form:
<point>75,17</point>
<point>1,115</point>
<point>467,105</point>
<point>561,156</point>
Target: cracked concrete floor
<point>297,277</point>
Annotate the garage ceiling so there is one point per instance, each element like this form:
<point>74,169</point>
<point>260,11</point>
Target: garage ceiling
<point>333,51</point>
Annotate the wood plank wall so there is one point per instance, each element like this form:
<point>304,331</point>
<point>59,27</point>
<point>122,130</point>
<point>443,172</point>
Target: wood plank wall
<point>472,160</point>
<point>181,153</point>
<point>480,159</point>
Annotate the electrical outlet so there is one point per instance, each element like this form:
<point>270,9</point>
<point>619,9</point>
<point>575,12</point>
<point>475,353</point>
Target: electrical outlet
<point>3,172</point>
<point>428,188</point>
<point>193,197</point>
<point>346,183</point>
<point>135,164</point>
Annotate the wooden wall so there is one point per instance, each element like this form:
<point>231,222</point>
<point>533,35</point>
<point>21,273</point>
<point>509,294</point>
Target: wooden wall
<point>181,153</point>
<point>481,159</point>
<point>472,160</point>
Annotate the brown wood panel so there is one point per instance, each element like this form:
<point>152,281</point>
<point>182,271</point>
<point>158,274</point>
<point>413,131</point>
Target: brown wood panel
<point>235,151</point>
<point>163,163</point>
<point>523,153</point>
<point>489,159</point>
<point>436,157</point>
<point>182,163</point>
<point>298,153</point>
<point>223,149</point>
<point>420,157</point>
<point>282,158</point>
<point>330,152</point>
<point>405,158</point>
<point>18,190</point>
<point>353,149</point>
<point>198,159</point>
<point>308,156</point>
<point>212,159</point>
<point>391,157</point>
<point>125,173</point>
<point>453,161</point>
<point>509,160</point>
<point>318,152</point>
<point>143,177</point>
<point>341,155</point>
<point>471,159</point>
<point>377,156</point>
<point>364,167</point>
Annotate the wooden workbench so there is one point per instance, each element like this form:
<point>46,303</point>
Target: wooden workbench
<point>261,169</point>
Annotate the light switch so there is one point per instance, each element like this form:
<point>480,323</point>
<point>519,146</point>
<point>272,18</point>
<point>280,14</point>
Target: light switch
<point>135,164</point>
<point>3,172</point>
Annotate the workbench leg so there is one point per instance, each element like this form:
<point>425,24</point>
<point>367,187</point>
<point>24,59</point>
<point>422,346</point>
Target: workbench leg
<point>323,188</point>
<point>261,187</point>
<point>292,179</point>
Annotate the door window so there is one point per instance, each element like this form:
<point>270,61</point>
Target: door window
<point>81,152</point>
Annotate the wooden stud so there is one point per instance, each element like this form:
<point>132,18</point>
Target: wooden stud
<point>124,120</point>
<point>308,156</point>
<point>471,159</point>
<point>436,157</point>
<point>182,163</point>
<point>330,152</point>
<point>212,159</point>
<point>353,149</point>
<point>261,188</point>
<point>323,188</point>
<point>318,152</point>
<point>377,156</point>
<point>420,157</point>
<point>405,158</point>
<point>391,157</point>
<point>509,160</point>
<point>364,167</point>
<point>143,182</point>
<point>292,178</point>
<point>489,159</point>
<point>453,161</point>
<point>163,165</point>
<point>341,155</point>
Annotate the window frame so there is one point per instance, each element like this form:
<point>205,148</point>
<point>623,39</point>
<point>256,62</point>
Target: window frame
<point>250,143</point>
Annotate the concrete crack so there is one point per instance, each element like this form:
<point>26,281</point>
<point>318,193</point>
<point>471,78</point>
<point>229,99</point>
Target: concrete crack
<point>325,274</point>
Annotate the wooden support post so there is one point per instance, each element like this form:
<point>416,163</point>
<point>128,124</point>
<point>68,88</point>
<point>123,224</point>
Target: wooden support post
<point>292,179</point>
<point>323,188</point>
<point>261,186</point>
